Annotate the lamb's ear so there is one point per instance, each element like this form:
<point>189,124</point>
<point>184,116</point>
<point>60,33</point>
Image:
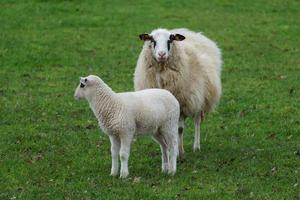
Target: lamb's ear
<point>145,36</point>
<point>178,37</point>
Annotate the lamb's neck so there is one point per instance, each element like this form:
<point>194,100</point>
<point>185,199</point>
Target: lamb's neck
<point>104,103</point>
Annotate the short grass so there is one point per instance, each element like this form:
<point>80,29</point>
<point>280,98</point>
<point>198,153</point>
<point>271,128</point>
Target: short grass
<point>51,147</point>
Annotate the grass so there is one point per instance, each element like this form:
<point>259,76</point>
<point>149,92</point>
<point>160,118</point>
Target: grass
<point>50,146</point>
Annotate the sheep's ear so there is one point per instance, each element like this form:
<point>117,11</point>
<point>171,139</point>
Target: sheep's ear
<point>178,37</point>
<point>145,36</point>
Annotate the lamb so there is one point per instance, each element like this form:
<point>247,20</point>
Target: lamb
<point>186,63</point>
<point>123,115</point>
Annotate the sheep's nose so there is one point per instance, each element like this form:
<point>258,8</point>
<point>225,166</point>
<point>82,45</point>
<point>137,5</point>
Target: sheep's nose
<point>161,53</point>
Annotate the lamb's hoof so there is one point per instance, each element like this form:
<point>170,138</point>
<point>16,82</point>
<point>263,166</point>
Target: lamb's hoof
<point>196,148</point>
<point>113,173</point>
<point>123,174</point>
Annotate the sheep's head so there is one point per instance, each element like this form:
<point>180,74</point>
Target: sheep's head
<point>86,86</point>
<point>162,42</point>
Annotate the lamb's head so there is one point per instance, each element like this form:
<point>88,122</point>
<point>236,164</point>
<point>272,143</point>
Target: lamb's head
<point>162,42</point>
<point>87,87</point>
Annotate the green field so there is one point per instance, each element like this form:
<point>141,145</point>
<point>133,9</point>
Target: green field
<point>50,144</point>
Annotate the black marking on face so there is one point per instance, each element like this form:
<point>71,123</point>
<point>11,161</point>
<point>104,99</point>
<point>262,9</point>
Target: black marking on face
<point>85,80</point>
<point>82,85</point>
<point>172,37</point>
<point>154,42</point>
<point>169,44</point>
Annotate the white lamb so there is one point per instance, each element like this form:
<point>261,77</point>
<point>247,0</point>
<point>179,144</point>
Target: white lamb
<point>122,115</point>
<point>186,63</point>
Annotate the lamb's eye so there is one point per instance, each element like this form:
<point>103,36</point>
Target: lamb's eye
<point>82,85</point>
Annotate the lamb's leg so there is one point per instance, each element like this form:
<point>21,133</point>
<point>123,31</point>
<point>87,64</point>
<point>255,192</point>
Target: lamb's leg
<point>173,152</point>
<point>180,132</point>
<point>164,151</point>
<point>171,137</point>
<point>115,149</point>
<point>197,121</point>
<point>124,154</point>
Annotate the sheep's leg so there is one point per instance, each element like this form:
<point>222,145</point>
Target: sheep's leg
<point>180,132</point>
<point>197,121</point>
<point>115,149</point>
<point>164,151</point>
<point>202,116</point>
<point>124,154</point>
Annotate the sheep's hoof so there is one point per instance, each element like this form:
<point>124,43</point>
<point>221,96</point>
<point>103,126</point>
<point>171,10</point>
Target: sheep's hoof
<point>123,174</point>
<point>171,172</point>
<point>181,154</point>
<point>181,157</point>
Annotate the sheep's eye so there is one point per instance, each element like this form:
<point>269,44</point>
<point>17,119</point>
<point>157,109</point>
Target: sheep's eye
<point>82,85</point>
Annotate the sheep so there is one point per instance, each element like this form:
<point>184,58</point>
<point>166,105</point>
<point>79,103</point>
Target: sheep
<point>186,63</point>
<point>123,115</point>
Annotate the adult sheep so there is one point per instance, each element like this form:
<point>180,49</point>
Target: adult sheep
<point>186,63</point>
